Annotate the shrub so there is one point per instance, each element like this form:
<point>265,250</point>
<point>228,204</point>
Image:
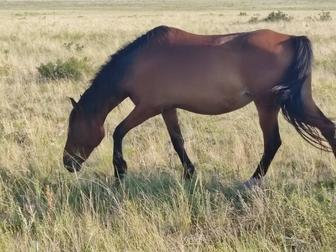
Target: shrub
<point>70,69</point>
<point>276,16</point>
<point>253,20</point>
<point>68,45</point>
<point>6,52</point>
<point>72,46</point>
<point>4,70</point>
<point>79,47</point>
<point>242,13</point>
<point>325,16</point>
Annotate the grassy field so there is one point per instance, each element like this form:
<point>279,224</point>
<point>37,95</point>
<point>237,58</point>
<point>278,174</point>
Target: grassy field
<point>44,208</point>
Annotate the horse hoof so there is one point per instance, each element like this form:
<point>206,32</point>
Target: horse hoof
<point>120,167</point>
<point>120,175</point>
<point>189,174</point>
<point>252,183</point>
<point>120,180</point>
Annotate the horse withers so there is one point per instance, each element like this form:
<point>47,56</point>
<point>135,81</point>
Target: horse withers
<point>168,69</point>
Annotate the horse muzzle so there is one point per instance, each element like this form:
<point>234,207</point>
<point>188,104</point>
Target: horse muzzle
<point>72,163</point>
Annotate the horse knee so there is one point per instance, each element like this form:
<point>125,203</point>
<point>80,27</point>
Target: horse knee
<point>323,123</point>
<point>329,132</point>
<point>276,146</point>
<point>275,142</point>
<point>177,142</point>
<point>273,147</point>
<point>327,128</point>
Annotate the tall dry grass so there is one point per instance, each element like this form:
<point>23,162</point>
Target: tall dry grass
<point>43,208</point>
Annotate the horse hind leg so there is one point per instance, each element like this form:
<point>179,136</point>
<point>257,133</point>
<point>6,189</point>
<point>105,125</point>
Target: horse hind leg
<point>171,121</point>
<point>314,117</point>
<point>268,120</point>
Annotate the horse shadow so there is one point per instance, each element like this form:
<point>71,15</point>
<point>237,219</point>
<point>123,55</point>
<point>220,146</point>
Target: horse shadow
<point>99,192</point>
<point>158,186</point>
<point>102,193</point>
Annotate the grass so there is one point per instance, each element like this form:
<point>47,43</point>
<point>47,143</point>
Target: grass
<point>44,208</point>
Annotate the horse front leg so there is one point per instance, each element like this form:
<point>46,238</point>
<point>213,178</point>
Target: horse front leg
<point>138,115</point>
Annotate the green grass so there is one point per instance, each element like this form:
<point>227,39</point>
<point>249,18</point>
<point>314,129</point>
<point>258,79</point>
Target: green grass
<point>71,68</point>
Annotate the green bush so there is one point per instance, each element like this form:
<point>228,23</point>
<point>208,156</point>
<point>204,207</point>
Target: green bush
<point>276,16</point>
<point>4,70</point>
<point>325,16</point>
<point>69,69</point>
<point>253,20</point>
<point>72,46</point>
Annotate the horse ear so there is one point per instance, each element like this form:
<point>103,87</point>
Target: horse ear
<point>73,102</point>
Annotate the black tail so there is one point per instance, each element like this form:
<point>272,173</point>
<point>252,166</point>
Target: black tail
<point>289,93</point>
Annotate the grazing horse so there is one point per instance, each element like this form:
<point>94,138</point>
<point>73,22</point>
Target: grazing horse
<point>167,68</point>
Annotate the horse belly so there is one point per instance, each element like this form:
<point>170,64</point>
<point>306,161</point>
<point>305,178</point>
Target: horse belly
<point>212,102</point>
<point>214,89</point>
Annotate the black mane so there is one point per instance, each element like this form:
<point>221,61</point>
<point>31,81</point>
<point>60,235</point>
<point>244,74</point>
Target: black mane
<point>105,83</point>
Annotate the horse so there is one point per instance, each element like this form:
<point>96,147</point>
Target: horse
<point>167,69</point>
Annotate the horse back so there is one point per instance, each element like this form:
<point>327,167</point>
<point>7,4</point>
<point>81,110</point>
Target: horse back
<point>177,64</point>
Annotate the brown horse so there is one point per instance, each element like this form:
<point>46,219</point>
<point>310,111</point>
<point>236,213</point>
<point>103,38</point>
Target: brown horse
<point>168,68</point>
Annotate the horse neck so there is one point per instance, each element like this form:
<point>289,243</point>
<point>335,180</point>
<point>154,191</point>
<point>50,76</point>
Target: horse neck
<point>99,106</point>
<point>109,106</point>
